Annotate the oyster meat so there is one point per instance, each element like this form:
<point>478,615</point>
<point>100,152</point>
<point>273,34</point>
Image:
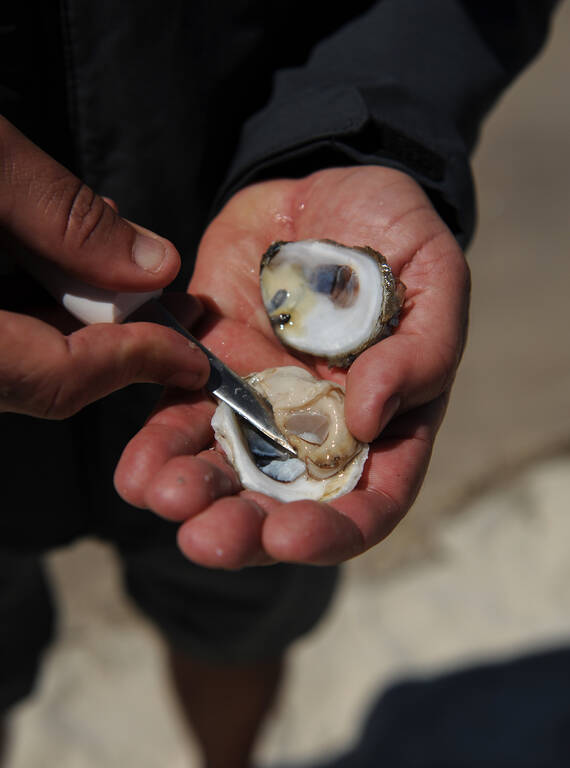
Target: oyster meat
<point>327,299</point>
<point>310,413</point>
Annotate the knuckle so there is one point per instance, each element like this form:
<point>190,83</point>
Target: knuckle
<point>84,213</point>
<point>443,367</point>
<point>8,174</point>
<point>55,405</point>
<point>55,401</point>
<point>59,395</point>
<point>59,400</point>
<point>47,400</point>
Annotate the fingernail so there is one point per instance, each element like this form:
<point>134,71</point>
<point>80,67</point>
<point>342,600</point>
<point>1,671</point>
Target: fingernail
<point>390,407</point>
<point>148,253</point>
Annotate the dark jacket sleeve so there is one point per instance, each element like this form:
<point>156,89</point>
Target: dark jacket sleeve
<point>405,84</point>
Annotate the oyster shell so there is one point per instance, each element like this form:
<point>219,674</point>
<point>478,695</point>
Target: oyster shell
<point>310,413</point>
<point>329,300</point>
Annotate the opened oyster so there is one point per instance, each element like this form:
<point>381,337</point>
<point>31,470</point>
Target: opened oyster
<point>310,413</point>
<point>327,299</point>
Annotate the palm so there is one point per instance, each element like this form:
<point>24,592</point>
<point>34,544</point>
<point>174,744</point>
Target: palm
<point>228,527</point>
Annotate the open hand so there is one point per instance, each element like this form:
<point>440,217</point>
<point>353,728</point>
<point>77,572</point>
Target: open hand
<point>396,391</point>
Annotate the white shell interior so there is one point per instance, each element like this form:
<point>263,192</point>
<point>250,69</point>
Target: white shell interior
<point>318,325</point>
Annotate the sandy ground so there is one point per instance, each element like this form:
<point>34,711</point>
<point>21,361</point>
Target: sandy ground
<point>479,570</point>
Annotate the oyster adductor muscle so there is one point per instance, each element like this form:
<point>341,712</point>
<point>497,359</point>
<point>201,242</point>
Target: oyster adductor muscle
<point>329,300</point>
<point>310,413</point>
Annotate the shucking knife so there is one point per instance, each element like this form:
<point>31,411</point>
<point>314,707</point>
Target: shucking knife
<point>96,305</point>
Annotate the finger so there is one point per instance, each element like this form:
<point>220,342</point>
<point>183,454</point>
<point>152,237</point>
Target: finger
<point>316,533</point>
<point>180,427</point>
<point>55,215</point>
<point>418,362</point>
<point>46,374</point>
<point>310,532</point>
<point>227,535</point>
<point>325,534</point>
<point>394,473</point>
<point>187,485</point>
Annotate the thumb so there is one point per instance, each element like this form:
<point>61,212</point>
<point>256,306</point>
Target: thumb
<point>59,218</point>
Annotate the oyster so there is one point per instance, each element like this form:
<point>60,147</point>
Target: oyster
<point>327,299</point>
<point>310,413</point>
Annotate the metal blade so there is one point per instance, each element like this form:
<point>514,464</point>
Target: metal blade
<point>224,383</point>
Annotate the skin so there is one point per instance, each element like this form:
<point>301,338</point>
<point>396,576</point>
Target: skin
<point>49,367</point>
<point>396,391</point>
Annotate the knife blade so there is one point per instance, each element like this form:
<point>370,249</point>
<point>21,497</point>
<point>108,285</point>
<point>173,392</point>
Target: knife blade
<point>96,305</point>
<point>223,383</point>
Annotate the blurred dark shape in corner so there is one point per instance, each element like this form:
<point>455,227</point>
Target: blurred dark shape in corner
<point>514,714</point>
